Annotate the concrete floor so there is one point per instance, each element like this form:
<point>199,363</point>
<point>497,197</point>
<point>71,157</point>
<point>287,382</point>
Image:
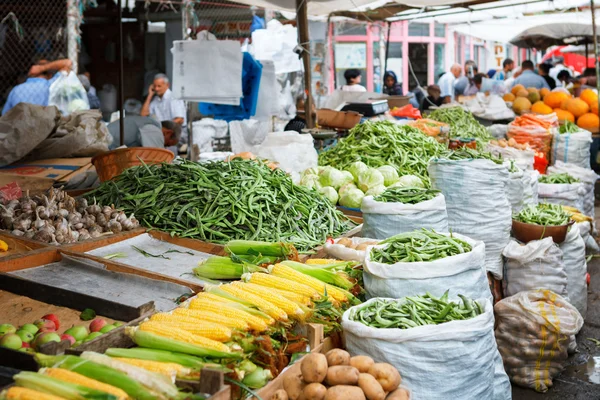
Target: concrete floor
<point>577,381</point>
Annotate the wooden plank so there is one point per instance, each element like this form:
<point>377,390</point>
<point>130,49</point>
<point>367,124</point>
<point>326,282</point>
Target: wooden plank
<point>32,259</point>
<point>88,245</point>
<point>18,245</point>
<point>193,244</point>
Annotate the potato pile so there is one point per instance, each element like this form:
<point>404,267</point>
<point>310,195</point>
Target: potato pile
<point>510,143</point>
<point>337,376</point>
<point>346,242</point>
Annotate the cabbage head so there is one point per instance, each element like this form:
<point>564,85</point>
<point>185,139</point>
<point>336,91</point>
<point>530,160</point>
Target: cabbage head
<point>331,177</point>
<point>356,168</point>
<point>330,193</point>
<point>375,191</point>
<point>310,181</point>
<point>390,175</point>
<point>346,187</point>
<point>369,178</point>
<point>410,181</point>
<point>352,198</point>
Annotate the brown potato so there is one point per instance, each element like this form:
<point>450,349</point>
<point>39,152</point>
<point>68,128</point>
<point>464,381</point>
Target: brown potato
<point>281,394</point>
<point>314,368</point>
<point>314,391</point>
<point>362,363</point>
<point>345,242</point>
<point>362,246</point>
<point>342,375</point>
<point>387,376</point>
<point>337,357</point>
<point>343,392</point>
<point>293,385</point>
<point>372,388</point>
<point>398,394</point>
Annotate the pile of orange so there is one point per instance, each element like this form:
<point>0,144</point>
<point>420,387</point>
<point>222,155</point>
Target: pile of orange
<point>582,109</point>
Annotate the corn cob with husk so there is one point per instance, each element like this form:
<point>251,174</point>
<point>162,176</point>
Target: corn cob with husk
<point>292,309</point>
<point>208,316</point>
<point>73,377</point>
<point>165,330</point>
<point>286,272</point>
<point>22,393</point>
<point>200,305</point>
<point>218,267</point>
<point>277,282</point>
<point>264,305</point>
<point>164,356</point>
<point>236,302</point>
<point>209,330</point>
<point>169,369</point>
<point>321,274</point>
<point>279,249</point>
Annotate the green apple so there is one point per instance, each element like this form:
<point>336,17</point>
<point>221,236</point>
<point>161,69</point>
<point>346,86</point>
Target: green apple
<point>46,338</point>
<point>7,328</point>
<point>91,336</point>
<point>78,332</point>
<point>25,335</point>
<point>11,341</point>
<point>29,328</point>
<point>107,328</point>
<point>118,323</point>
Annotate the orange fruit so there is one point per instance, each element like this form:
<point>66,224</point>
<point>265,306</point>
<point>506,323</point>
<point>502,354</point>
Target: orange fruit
<point>517,88</point>
<point>508,97</point>
<point>589,122</point>
<point>594,108</point>
<point>589,96</point>
<point>521,105</point>
<point>563,115</point>
<point>563,104</point>
<point>540,108</point>
<point>544,92</point>
<point>553,99</point>
<point>577,107</point>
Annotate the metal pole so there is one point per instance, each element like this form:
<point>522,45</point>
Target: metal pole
<point>387,49</point>
<point>302,20</point>
<point>595,48</point>
<point>72,32</point>
<point>121,89</point>
<point>587,53</point>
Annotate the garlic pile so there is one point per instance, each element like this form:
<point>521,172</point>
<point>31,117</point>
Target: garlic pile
<point>58,218</point>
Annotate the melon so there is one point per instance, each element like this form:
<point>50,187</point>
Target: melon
<point>521,105</point>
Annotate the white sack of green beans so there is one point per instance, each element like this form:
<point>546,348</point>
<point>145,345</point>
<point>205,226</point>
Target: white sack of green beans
<point>566,194</point>
<point>476,203</point>
<point>585,229</point>
<point>463,273</point>
<point>573,249</point>
<point>530,187</point>
<point>401,209</point>
<point>522,158</point>
<point>452,360</point>
<point>515,188</point>
<point>572,147</point>
<point>586,176</point>
<point>535,265</point>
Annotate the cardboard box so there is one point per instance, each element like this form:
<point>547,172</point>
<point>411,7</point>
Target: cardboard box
<point>57,169</point>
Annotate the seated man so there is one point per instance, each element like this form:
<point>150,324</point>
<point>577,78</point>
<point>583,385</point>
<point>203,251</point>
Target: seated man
<point>36,89</point>
<point>144,132</point>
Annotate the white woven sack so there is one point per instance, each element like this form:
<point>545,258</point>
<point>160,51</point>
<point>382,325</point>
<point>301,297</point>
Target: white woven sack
<point>528,193</point>
<point>523,158</point>
<point>476,203</point>
<point>567,194</point>
<point>573,249</point>
<point>461,274</point>
<point>587,176</point>
<point>454,360</point>
<point>341,252</point>
<point>383,220</point>
<point>535,265</point>
<point>572,148</point>
<point>590,242</point>
<point>515,190</point>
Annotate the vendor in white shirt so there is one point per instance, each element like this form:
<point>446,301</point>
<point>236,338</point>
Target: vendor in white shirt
<point>353,79</point>
<point>161,104</point>
<point>447,81</point>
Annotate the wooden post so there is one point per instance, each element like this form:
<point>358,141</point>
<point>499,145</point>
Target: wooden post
<point>596,64</point>
<point>303,39</point>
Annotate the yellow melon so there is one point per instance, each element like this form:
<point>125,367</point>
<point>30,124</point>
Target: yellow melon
<point>589,122</point>
<point>540,108</point>
<point>521,105</point>
<point>544,92</point>
<point>577,107</point>
<point>563,115</point>
<point>516,89</point>
<point>589,96</point>
<point>522,93</point>
<point>509,97</point>
<point>553,99</point>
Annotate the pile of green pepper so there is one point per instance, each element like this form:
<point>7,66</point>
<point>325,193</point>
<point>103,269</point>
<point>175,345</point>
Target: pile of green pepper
<point>222,201</point>
<point>543,214</point>
<point>422,245</point>
<point>385,143</point>
<point>462,124</point>
<point>465,153</point>
<point>563,178</point>
<point>414,311</point>
<point>406,195</point>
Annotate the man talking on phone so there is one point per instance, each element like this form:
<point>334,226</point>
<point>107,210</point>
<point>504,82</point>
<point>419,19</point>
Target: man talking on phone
<point>160,102</point>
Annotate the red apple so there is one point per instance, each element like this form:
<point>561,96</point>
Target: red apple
<point>68,337</point>
<point>25,344</point>
<point>53,318</point>
<point>45,324</point>
<point>97,324</point>
<point>45,338</point>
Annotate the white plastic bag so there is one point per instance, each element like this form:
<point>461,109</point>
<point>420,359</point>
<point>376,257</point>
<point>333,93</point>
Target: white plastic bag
<point>532,332</point>
<point>590,243</point>
<point>572,148</point>
<point>573,249</point>
<point>523,158</point>
<point>207,129</point>
<point>382,220</point>
<point>515,190</point>
<point>453,360</point>
<point>587,176</point>
<point>535,265</point>
<point>68,94</point>
<point>341,252</point>
<point>476,203</point>
<point>461,274</point>
<point>294,152</point>
<point>567,194</point>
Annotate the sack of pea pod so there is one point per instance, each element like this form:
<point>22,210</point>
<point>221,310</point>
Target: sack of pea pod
<point>530,187</point>
<point>573,249</point>
<point>532,331</point>
<point>403,209</point>
<point>476,202</point>
<point>561,188</point>
<point>585,230</point>
<point>572,147</point>
<point>515,187</point>
<point>443,350</point>
<point>426,261</point>
<point>588,179</point>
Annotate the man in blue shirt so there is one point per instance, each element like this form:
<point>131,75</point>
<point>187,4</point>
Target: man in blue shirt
<point>36,89</point>
<point>528,78</point>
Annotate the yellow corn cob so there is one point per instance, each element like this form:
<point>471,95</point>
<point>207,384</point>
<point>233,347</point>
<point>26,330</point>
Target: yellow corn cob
<point>209,330</point>
<point>321,261</point>
<point>73,377</point>
<point>21,393</point>
<point>263,304</point>
<point>168,369</point>
<point>182,335</point>
<point>277,282</point>
<point>295,297</point>
<point>209,316</point>
<point>276,299</point>
<point>203,305</point>
<point>214,297</point>
<point>284,271</point>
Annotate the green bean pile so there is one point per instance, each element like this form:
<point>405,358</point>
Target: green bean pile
<point>385,143</point>
<point>462,124</point>
<point>222,201</point>
<point>543,214</point>
<point>568,127</point>
<point>465,153</point>
<point>406,195</point>
<point>563,178</point>
<point>411,312</point>
<point>423,245</point>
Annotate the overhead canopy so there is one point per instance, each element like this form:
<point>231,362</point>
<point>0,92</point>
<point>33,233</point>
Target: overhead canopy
<point>555,34</point>
<point>576,49</point>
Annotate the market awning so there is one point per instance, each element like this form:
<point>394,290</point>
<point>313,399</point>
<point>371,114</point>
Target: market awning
<point>555,34</point>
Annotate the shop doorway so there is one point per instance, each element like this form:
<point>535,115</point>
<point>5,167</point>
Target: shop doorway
<point>417,56</point>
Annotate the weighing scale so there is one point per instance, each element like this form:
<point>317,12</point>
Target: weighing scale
<point>368,108</point>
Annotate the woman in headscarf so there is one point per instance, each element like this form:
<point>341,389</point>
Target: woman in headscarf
<point>391,86</point>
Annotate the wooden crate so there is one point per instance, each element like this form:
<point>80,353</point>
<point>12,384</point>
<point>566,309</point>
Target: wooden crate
<point>18,246</point>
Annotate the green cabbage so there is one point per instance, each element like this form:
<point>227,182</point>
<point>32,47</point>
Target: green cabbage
<point>352,198</point>
<point>356,168</point>
<point>330,193</point>
<point>346,187</point>
<point>375,191</point>
<point>331,177</point>
<point>310,181</point>
<point>369,178</point>
<point>311,171</point>
<point>348,178</point>
<point>390,175</point>
<point>410,181</point>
